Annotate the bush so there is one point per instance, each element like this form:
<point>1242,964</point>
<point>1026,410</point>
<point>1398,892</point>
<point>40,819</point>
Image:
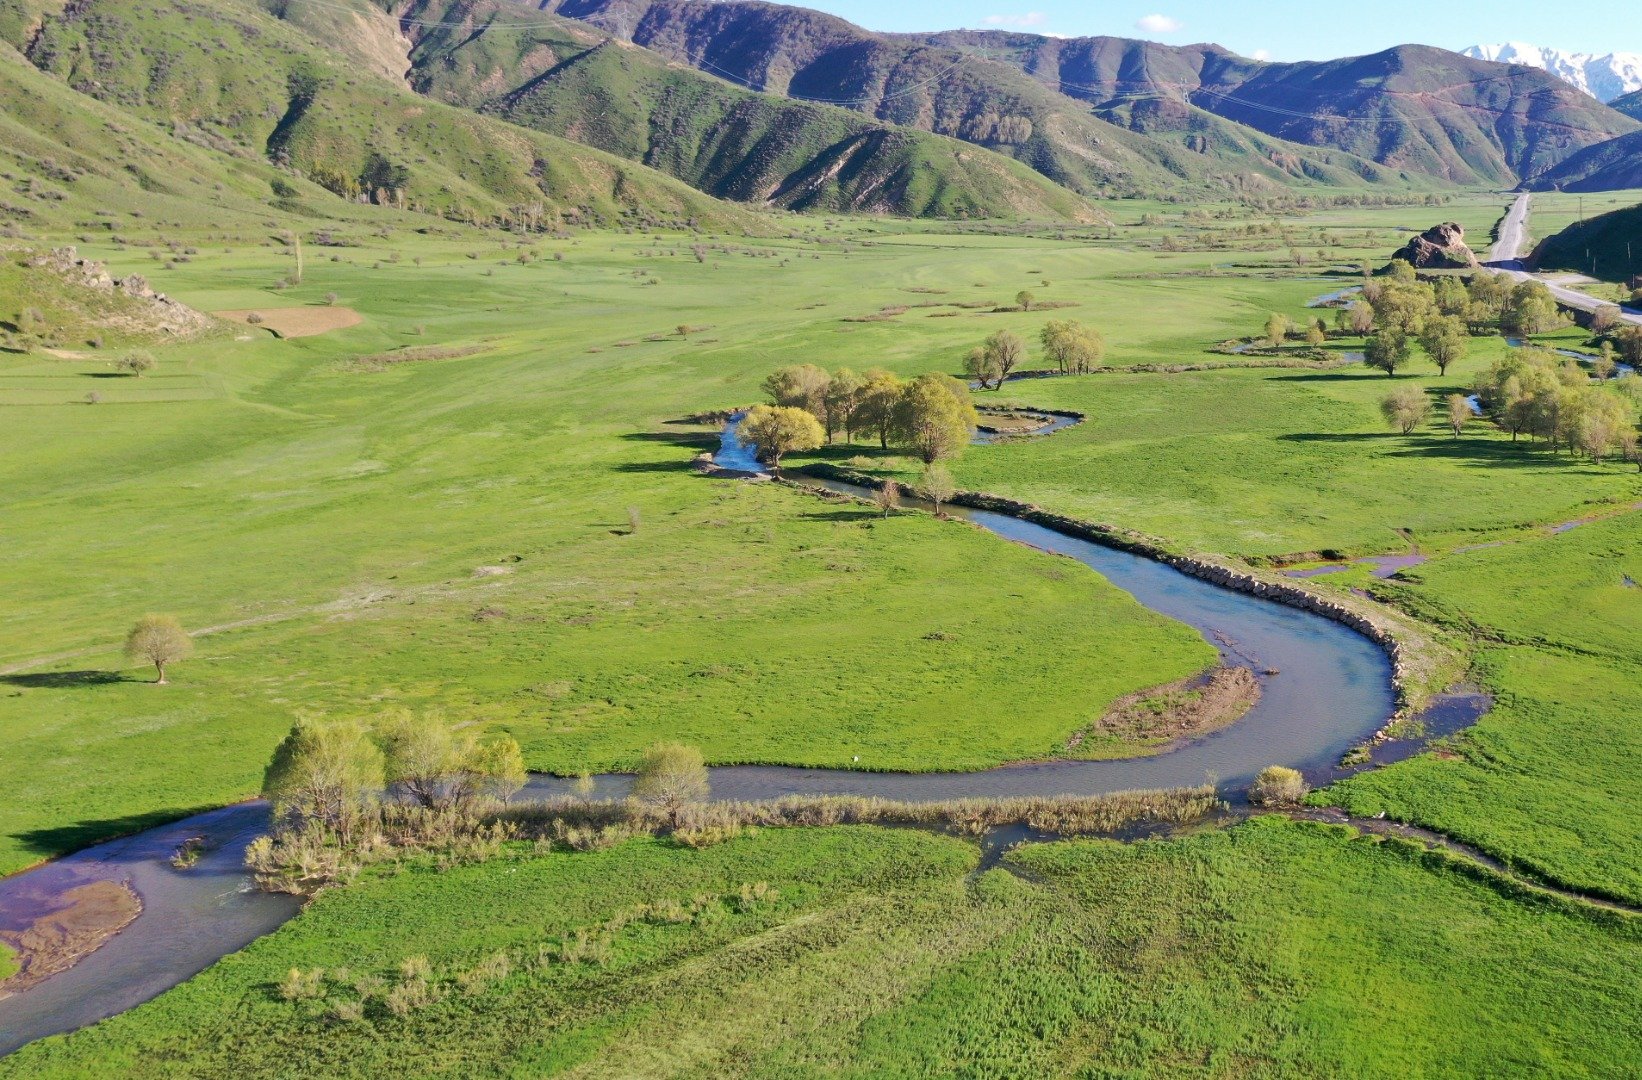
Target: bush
<point>1278,785</point>
<point>299,985</point>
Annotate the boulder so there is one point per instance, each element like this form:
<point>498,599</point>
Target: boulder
<point>1441,247</point>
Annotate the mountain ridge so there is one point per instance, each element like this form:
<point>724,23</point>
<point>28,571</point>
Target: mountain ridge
<point>1605,77</point>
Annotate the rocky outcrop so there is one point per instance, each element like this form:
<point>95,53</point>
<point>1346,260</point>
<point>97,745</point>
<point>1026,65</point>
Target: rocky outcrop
<point>149,311</point>
<point>1441,247</point>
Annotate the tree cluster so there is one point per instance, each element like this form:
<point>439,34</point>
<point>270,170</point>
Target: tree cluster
<point>930,415</point>
<point>1536,392</point>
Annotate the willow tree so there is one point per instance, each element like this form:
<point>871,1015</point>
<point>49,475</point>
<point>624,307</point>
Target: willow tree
<point>778,430</point>
<point>443,767</point>
<point>1406,408</point>
<point>1074,348</point>
<point>158,640</point>
<point>671,775</point>
<point>935,417</point>
<point>323,773</point>
<point>880,397</point>
<point>1446,340</point>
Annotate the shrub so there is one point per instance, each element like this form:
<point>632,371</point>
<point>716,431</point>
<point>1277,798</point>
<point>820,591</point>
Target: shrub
<point>1278,785</point>
<point>135,364</point>
<point>299,985</point>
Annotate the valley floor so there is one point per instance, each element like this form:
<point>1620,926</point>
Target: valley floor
<point>503,526</point>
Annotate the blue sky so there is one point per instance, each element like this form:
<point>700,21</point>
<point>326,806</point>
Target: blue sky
<point>1282,29</point>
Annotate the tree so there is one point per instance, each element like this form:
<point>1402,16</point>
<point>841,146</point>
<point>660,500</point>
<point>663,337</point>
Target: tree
<point>1360,317</point>
<point>1277,329</point>
<point>982,368</point>
<point>935,417</point>
<point>1606,318</point>
<point>1388,350</point>
<point>1630,448</point>
<point>1445,340</point>
<point>880,398</point>
<point>1278,785</point>
<point>999,355</point>
<point>135,363</point>
<point>158,640</point>
<point>1074,348</point>
<point>887,497</point>
<point>443,768</point>
<point>1024,300</point>
<point>1406,408</point>
<point>1602,418</point>
<point>1452,296</point>
<point>1629,341</point>
<point>1316,336</point>
<point>670,776</point>
<point>843,400</point>
<point>1606,362</point>
<point>1459,413</point>
<point>937,485</point>
<point>1530,309</point>
<point>777,430</point>
<point>801,386</point>
<point>323,772</point>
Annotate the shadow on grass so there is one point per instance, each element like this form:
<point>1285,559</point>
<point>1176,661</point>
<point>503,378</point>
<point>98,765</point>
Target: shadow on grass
<point>1496,454</point>
<point>703,439</point>
<point>63,839</point>
<point>63,680</point>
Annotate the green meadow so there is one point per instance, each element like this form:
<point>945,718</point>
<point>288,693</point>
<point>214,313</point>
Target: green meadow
<point>1271,949</point>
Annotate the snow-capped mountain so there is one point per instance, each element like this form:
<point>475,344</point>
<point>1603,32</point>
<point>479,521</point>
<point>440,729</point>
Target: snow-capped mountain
<point>1602,77</point>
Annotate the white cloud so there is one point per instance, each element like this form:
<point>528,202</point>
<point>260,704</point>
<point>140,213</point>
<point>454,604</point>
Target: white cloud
<point>1260,54</point>
<point>1159,24</point>
<point>1031,18</point>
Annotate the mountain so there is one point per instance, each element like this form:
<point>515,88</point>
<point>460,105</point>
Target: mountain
<point>1603,77</point>
<point>234,80</point>
<point>1608,246</point>
<point>1412,108</point>
<point>561,77</point>
<point>1630,105</point>
<point>1615,165</point>
<point>950,90</point>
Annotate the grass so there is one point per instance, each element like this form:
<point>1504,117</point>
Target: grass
<point>1546,780</point>
<point>8,962</point>
<point>1273,949</point>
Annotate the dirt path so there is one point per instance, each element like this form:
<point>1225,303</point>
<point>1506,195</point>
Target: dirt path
<point>295,322</point>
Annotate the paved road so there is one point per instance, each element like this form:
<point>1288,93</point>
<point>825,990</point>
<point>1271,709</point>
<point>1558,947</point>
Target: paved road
<point>1503,257</point>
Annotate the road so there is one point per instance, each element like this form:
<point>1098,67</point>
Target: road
<point>1503,257</point>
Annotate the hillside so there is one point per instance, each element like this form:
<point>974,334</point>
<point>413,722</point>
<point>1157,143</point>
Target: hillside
<point>1630,105</point>
<point>1411,108</point>
<point>1608,246</point>
<point>557,76</point>
<point>236,81</point>
<point>811,56</point>
<point>1615,165</point>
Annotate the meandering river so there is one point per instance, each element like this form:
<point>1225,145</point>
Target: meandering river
<point>1326,689</point>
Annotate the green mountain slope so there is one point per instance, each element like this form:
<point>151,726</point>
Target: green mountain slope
<point>237,81</point>
<point>1411,108</point>
<point>1607,246</point>
<point>553,75</point>
<point>810,56</point>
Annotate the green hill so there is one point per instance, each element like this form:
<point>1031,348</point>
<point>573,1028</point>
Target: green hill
<point>1608,246</point>
<point>807,55</point>
<point>236,81</point>
<point>556,76</point>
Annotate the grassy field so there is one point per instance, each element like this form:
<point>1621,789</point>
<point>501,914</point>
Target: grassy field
<point>1273,949</point>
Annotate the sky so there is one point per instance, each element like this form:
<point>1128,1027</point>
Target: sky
<point>1274,29</point>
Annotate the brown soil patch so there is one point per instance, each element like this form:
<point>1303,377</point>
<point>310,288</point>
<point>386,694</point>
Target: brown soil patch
<point>295,322</point>
<point>57,940</point>
<point>1181,710</point>
<point>1012,424</point>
